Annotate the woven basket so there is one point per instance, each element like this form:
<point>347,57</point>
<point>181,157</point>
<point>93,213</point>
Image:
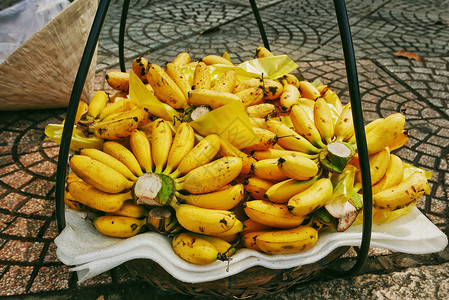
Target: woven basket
<point>41,72</point>
<point>253,282</point>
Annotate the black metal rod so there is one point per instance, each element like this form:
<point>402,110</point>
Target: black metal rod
<point>260,24</point>
<point>121,37</point>
<point>359,128</point>
<point>66,138</point>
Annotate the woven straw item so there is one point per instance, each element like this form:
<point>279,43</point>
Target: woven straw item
<point>253,282</point>
<point>41,72</point>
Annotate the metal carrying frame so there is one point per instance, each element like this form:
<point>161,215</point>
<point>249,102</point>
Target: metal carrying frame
<point>354,93</point>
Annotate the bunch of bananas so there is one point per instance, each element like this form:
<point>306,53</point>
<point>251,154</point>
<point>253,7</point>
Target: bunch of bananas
<point>298,174</point>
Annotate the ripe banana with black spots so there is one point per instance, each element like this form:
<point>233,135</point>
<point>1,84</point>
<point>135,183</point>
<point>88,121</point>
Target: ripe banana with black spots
<point>119,226</point>
<point>139,67</point>
<point>224,199</point>
<point>183,143</point>
<point>256,186</point>
<point>263,52</point>
<point>114,108</point>
<point>118,80</point>
<point>292,240</point>
<point>124,155</point>
<point>289,97</point>
<point>182,59</point>
<point>344,128</point>
<point>276,153</point>
<point>271,214</point>
<point>247,84</point>
<point>216,60</point>
<point>308,90</point>
<point>141,148</point>
<point>227,149</point>
<point>399,141</point>
<point>214,99</point>
<point>298,167</point>
<point>251,96</point>
<point>290,139</point>
<point>119,128</point>
<point>226,82</point>
<point>403,194</point>
<point>210,177</point>
<point>309,200</point>
<point>268,169</point>
<point>261,110</point>
<point>161,141</point>
<point>201,77</point>
<point>305,126</point>
<point>179,78</point>
<point>291,79</point>
<point>378,165</point>
<point>88,195</point>
<point>265,139</point>
<point>272,89</point>
<point>131,209</point>
<point>323,120</point>
<point>393,176</point>
<point>282,191</point>
<point>99,175</point>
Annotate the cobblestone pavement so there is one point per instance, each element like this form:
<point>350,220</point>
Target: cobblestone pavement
<point>307,32</point>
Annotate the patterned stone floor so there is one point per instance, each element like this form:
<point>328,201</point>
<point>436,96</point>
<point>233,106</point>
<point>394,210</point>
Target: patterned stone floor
<point>306,31</point>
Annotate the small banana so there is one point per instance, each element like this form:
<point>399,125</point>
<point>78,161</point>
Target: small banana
<point>272,88</point>
<point>179,78</point>
<point>182,59</point>
<point>293,240</point>
<point>139,67</point>
<point>231,234</point>
<point>226,82</point>
<point>308,90</point>
<point>393,176</point>
<point>292,79</point>
<point>384,132</point>
<point>133,112</point>
<point>203,220</point>
<point>131,209</point>
<point>124,155</point>
<point>216,60</point>
<point>378,165</point>
<point>183,143</point>
<point>161,140</point>
<point>98,102</point>
<point>305,126</point>
<point>165,88</point>
<point>119,226</point>
<point>224,199</point>
<point>403,194</point>
<point>224,248</point>
<point>249,238</point>
<point>314,197</point>
<point>289,97</point>
<point>200,155</point>
<point>263,52</point>
<point>323,120</point>
<point>290,139</point>
<point>256,186</point>
<point>71,203</point>
<point>201,77</point>
<point>276,153</point>
<point>141,148</point>
<point>99,175</point>
<point>114,108</point>
<point>265,139</point>
<point>344,128</point>
<point>298,167</point>
<point>214,99</point>
<point>258,122</point>
<point>251,96</point>
<point>260,110</point>
<point>227,149</point>
<point>399,141</point>
<point>81,110</point>
<point>212,176</point>
<point>271,214</point>
<point>119,128</point>
<point>282,191</point>
<point>247,84</point>
<point>110,161</point>
<point>88,195</point>
<point>118,80</point>
<point>251,225</point>
<point>268,169</point>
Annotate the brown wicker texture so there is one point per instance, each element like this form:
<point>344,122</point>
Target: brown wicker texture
<point>252,283</point>
<point>41,72</point>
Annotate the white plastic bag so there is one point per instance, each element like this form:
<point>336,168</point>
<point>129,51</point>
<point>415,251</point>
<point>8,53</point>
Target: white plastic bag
<point>22,20</point>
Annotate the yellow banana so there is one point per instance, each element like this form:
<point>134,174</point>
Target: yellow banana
<point>139,67</point>
<point>263,52</point>
<point>216,60</point>
<point>131,209</point>
<point>203,220</point>
<point>71,203</point>
<point>99,175</point>
<point>251,96</point>
<point>124,155</point>
<point>314,197</point>
<point>98,102</point>
<point>258,122</point>
<point>276,153</point>
<point>165,88</point>
<point>282,191</point>
<point>271,214</point>
<point>161,140</point>
<point>260,110</point>
<point>308,90</point>
<point>116,107</point>
<point>292,79</point>
<point>323,120</point>
<point>247,84</point>
<point>256,186</point>
<point>403,194</point>
<point>179,78</point>
<point>344,128</point>
<point>133,112</point>
<point>332,98</point>
<point>272,89</point>
<point>117,129</point>
<point>86,194</point>
<point>268,169</point>
<point>393,176</point>
<point>110,161</point>
<point>183,143</point>
<point>305,126</point>
<point>386,131</point>
<point>201,77</point>
<point>81,110</point>
<point>200,155</point>
<point>293,240</point>
<point>290,139</point>
<point>224,248</point>
<point>265,139</point>
<point>298,167</point>
<point>399,141</point>
<point>118,80</point>
<point>224,199</point>
<point>251,225</point>
<point>194,249</point>
<point>227,149</point>
<point>289,97</point>
<point>182,59</point>
<point>233,231</point>
<point>141,148</point>
<point>119,226</point>
<point>212,176</point>
<point>214,99</point>
<point>226,82</point>
<point>378,165</point>
<point>249,238</point>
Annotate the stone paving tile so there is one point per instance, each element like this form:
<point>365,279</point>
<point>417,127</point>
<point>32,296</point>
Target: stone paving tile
<point>15,280</point>
<point>21,251</point>
<point>24,227</point>
<point>53,278</point>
